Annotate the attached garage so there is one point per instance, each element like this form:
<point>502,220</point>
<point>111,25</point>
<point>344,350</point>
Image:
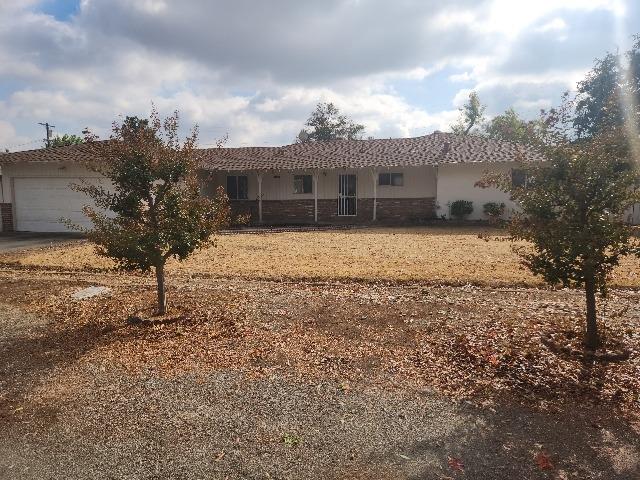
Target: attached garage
<point>41,204</point>
<point>37,193</point>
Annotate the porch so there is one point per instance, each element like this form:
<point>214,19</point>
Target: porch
<point>398,195</point>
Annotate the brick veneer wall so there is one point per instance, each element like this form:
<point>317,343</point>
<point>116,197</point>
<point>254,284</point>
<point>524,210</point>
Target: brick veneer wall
<point>245,207</point>
<point>6,212</point>
<point>388,211</point>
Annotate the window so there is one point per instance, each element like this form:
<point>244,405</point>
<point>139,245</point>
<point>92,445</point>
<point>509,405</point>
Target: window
<point>237,187</point>
<point>518,178</point>
<point>391,179</point>
<point>302,184</point>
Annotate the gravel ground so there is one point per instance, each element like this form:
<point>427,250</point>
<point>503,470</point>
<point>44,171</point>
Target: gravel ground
<point>62,417</point>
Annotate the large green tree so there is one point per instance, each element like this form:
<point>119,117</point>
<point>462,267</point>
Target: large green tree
<point>471,116</point>
<point>510,127</point>
<point>572,207</point>
<point>327,123</point>
<point>153,209</point>
<point>606,93</point>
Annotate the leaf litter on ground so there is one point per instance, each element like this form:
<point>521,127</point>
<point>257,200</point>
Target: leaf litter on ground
<point>470,343</point>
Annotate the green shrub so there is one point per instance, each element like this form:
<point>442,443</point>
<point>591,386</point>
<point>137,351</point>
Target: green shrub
<point>461,208</point>
<point>493,211</point>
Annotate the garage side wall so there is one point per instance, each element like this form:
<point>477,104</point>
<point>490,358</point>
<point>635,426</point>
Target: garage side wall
<point>456,182</point>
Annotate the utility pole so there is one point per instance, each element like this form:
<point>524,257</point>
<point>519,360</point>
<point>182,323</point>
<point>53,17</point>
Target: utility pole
<point>49,130</point>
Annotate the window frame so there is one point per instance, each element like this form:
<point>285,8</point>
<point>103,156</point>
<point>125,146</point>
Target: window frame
<point>237,187</point>
<point>390,179</point>
<point>301,179</point>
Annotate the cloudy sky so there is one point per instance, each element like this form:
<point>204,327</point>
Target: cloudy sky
<point>255,69</point>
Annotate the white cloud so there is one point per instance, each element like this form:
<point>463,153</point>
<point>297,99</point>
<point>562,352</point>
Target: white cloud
<point>9,137</point>
<point>257,72</point>
<point>554,25</point>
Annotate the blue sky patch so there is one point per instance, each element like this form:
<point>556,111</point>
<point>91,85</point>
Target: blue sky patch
<point>61,10</point>
<point>433,93</point>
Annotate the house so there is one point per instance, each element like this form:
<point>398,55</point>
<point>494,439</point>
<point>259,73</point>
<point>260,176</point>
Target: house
<point>403,180</point>
<point>382,181</point>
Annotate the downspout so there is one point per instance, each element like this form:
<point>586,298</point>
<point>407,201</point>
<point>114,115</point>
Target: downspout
<point>445,150</point>
<point>435,206</point>
<point>374,177</point>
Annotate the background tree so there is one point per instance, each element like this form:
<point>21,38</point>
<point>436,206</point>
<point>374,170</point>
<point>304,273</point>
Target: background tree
<point>603,96</point>
<point>64,140</point>
<point>153,211</point>
<point>327,123</point>
<point>471,116</point>
<point>572,208</point>
<point>512,128</point>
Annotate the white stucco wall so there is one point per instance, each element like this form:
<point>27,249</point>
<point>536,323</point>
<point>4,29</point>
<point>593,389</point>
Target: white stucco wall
<point>456,182</point>
<point>419,182</point>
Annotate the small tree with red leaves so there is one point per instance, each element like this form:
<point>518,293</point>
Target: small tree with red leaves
<point>153,210</point>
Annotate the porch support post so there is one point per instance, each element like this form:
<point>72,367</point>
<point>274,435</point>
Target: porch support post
<point>315,196</point>
<point>374,177</point>
<point>259,176</point>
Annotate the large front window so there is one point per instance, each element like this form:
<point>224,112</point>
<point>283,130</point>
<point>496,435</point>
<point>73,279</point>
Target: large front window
<point>302,184</point>
<point>237,187</point>
<point>391,179</point>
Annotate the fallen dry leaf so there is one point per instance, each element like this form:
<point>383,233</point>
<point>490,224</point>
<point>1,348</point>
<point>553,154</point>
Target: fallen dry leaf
<point>455,464</point>
<point>543,461</point>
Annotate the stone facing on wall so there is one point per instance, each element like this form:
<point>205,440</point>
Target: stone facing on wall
<point>6,212</point>
<point>388,211</point>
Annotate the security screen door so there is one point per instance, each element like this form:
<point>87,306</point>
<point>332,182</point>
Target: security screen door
<point>347,189</point>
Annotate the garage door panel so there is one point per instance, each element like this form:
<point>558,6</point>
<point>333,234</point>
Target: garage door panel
<point>41,203</point>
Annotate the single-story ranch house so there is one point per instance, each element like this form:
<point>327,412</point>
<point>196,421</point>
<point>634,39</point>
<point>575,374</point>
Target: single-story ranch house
<point>403,180</point>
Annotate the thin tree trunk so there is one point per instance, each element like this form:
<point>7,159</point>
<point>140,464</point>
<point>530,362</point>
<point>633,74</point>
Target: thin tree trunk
<point>592,339</point>
<point>162,296</point>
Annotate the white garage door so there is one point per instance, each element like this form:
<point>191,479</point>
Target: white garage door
<point>41,203</point>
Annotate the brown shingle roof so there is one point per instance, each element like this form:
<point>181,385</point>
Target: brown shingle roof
<point>433,149</point>
<point>66,154</point>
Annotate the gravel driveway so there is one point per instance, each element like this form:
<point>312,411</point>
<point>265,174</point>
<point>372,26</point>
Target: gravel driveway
<point>63,418</point>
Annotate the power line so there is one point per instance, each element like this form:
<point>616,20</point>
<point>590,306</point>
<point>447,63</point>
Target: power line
<point>20,144</point>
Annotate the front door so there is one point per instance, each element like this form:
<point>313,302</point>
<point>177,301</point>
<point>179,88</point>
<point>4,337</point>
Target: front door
<point>347,198</point>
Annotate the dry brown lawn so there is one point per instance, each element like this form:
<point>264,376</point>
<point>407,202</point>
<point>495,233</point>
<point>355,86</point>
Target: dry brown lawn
<point>429,254</point>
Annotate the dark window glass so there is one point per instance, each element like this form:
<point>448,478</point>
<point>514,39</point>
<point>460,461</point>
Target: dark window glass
<point>397,179</point>
<point>393,179</point>
<point>302,184</point>
<point>237,187</point>
<point>351,186</point>
<point>232,187</point>
<point>518,178</point>
<point>243,187</point>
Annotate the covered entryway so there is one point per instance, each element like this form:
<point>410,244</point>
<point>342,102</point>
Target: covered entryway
<point>347,195</point>
<point>42,202</point>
